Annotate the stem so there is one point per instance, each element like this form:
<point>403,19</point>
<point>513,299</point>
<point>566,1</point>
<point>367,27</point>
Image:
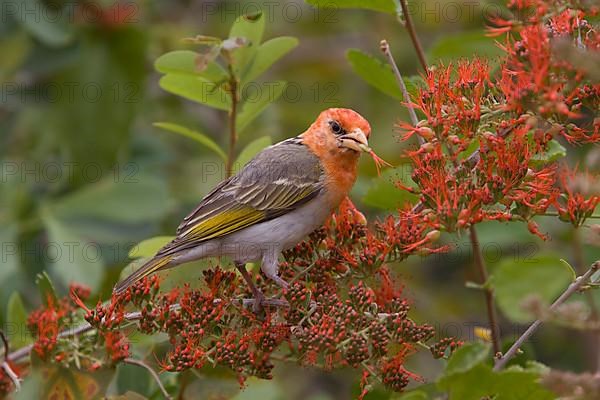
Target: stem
<point>573,287</point>
<point>413,34</point>
<point>6,367</point>
<point>592,337</point>
<point>153,373</point>
<point>488,291</point>
<point>385,48</point>
<point>233,90</point>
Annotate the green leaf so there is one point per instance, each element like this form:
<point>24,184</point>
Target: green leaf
<point>135,199</point>
<point>257,102</point>
<point>267,54</point>
<point>10,250</point>
<point>412,395</point>
<point>252,149</point>
<point>555,152</point>
<point>196,89</point>
<point>466,357</point>
<point>386,6</point>
<point>469,375</point>
<point>129,395</point>
<point>515,280</point>
<point>379,74</point>
<point>47,24</point>
<point>186,62</point>
<point>16,322</point>
<point>46,288</point>
<point>474,383</point>
<point>63,383</point>
<point>149,247</point>
<point>384,194</point>
<point>195,135</point>
<point>250,27</point>
<point>570,269</point>
<point>19,46</point>
<point>516,383</point>
<point>73,259</point>
<point>260,389</point>
<point>463,45</point>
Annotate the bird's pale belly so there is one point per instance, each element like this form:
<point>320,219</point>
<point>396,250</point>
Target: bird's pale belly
<point>271,237</point>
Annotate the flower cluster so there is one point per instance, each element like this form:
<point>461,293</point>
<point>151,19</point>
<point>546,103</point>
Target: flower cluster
<point>343,308</point>
<point>515,115</point>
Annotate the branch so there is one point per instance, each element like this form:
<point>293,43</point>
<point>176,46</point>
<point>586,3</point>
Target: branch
<point>142,364</point>
<point>573,287</point>
<point>413,34</point>
<point>488,291</point>
<point>385,48</point>
<point>6,367</point>
<point>233,89</point>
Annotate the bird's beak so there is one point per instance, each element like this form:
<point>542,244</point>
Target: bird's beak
<point>355,140</point>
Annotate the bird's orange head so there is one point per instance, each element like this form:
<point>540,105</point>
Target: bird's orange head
<point>338,137</point>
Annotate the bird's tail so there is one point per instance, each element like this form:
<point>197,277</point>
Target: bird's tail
<point>153,265</point>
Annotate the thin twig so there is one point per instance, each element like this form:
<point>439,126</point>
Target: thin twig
<point>413,34</point>
<point>142,364</point>
<point>6,367</point>
<point>487,290</point>
<point>301,273</point>
<point>385,48</point>
<point>573,287</point>
<point>233,90</point>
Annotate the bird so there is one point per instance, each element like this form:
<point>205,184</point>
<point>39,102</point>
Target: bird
<point>284,193</point>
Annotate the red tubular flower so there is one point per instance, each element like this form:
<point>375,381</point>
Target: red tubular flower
<point>117,345</point>
<point>572,205</point>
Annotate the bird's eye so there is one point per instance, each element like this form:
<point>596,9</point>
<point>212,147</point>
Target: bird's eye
<point>336,127</point>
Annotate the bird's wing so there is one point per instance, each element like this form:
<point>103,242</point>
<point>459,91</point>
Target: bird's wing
<point>279,179</point>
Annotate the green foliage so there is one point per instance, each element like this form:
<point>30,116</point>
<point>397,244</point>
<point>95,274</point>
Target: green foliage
<point>379,74</point>
<point>555,152</point>
<point>469,375</point>
<point>251,28</point>
<point>516,280</point>
<point>75,260</point>
<point>197,89</point>
<point>71,383</point>
<point>462,45</point>
<point>201,78</point>
<point>46,288</point>
<point>253,107</point>
<point>149,247</point>
<point>466,358</point>
<point>187,62</point>
<point>260,389</point>
<point>385,194</point>
<point>50,30</point>
<point>199,137</point>
<point>16,322</point>
<point>268,54</point>
<point>386,6</point>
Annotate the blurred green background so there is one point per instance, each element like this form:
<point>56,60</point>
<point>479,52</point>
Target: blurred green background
<point>85,175</point>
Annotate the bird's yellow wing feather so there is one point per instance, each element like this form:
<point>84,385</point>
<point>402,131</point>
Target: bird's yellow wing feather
<point>276,181</point>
